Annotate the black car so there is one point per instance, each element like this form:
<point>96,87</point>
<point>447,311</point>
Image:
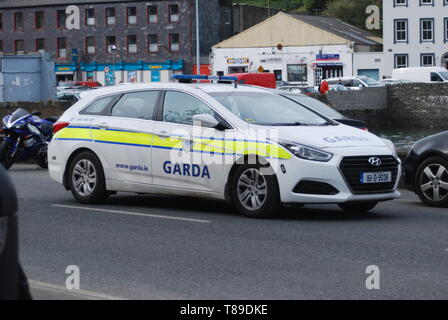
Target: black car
<point>323,109</point>
<point>426,169</point>
<point>13,283</point>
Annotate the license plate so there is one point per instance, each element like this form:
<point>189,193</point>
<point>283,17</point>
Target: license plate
<point>376,177</point>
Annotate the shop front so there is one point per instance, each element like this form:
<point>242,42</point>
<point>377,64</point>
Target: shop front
<point>65,72</point>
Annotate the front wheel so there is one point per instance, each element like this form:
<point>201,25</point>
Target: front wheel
<point>431,182</point>
<point>5,157</point>
<point>255,195</point>
<point>86,179</point>
<point>357,207</point>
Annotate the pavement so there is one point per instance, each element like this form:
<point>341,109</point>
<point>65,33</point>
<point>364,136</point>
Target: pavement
<point>157,247</point>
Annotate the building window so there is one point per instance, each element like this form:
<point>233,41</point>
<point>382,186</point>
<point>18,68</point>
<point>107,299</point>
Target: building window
<point>401,61</point>
<point>227,17</point>
<point>427,2</point>
<point>40,44</point>
<point>428,60</point>
<point>446,29</point>
<point>19,46</point>
<point>110,16</point>
<point>400,3</point>
<point>152,14</point>
<point>174,42</point>
<point>132,44</point>
<point>62,48</point>
<point>401,30</point>
<point>39,20</point>
<point>1,21</point>
<point>60,20</point>
<point>153,43</point>
<point>174,13</point>
<point>110,41</point>
<point>1,46</point>
<point>18,21</point>
<point>427,30</point>
<point>297,73</point>
<point>132,15</point>
<point>90,17</point>
<point>90,45</point>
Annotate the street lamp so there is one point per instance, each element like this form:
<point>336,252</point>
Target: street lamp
<point>198,58</point>
<point>113,50</point>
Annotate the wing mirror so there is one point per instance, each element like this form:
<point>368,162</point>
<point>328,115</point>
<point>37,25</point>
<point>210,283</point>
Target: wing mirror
<point>205,120</point>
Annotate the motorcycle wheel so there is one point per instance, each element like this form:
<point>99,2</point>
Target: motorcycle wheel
<point>42,161</point>
<point>5,159</point>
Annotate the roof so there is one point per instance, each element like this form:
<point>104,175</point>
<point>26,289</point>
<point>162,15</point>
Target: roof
<point>299,30</point>
<point>40,3</point>
<point>340,28</point>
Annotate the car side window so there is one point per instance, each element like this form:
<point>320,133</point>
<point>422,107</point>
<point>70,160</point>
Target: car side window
<point>136,105</point>
<point>181,107</point>
<point>99,106</point>
<point>436,77</point>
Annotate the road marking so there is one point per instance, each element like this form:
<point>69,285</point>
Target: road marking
<point>133,213</point>
<point>78,293</point>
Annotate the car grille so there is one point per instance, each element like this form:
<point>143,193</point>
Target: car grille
<point>352,167</point>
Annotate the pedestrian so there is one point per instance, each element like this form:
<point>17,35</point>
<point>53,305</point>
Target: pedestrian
<point>324,87</point>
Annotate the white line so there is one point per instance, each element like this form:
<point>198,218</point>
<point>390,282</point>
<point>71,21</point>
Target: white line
<point>78,293</point>
<point>133,213</point>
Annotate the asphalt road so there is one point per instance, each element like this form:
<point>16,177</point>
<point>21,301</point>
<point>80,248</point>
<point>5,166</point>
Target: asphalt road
<point>153,247</point>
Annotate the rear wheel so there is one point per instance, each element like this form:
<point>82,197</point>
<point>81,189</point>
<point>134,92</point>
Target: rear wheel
<point>358,207</point>
<point>5,158</point>
<point>431,182</point>
<point>86,179</point>
<point>255,195</point>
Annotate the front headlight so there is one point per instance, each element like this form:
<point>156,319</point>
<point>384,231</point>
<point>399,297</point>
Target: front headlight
<point>307,153</point>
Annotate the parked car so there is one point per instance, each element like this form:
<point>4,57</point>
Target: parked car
<point>421,74</point>
<point>355,83</point>
<point>69,96</point>
<point>338,87</point>
<point>13,282</point>
<point>393,82</point>
<point>300,90</point>
<point>65,86</point>
<point>426,169</point>
<point>323,109</point>
<point>263,79</point>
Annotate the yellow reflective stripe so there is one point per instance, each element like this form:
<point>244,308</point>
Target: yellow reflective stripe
<point>73,133</point>
<point>227,147</point>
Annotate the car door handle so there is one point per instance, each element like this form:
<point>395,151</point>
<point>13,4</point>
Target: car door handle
<point>103,126</point>
<point>163,134</point>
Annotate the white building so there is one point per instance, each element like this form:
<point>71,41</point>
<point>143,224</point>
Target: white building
<point>415,33</point>
<point>301,49</point>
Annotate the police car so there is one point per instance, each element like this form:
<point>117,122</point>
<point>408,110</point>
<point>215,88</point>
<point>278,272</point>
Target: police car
<point>247,145</point>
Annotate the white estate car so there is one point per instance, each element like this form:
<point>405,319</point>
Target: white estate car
<point>246,145</point>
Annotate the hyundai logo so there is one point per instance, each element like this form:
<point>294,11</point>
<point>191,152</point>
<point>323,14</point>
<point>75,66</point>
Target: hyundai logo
<point>374,161</point>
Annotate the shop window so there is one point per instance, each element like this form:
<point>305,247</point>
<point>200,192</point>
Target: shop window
<point>297,73</point>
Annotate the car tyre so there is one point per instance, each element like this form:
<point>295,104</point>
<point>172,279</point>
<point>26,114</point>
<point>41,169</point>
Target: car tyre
<point>5,159</point>
<point>255,194</point>
<point>431,182</point>
<point>358,207</point>
<point>86,179</point>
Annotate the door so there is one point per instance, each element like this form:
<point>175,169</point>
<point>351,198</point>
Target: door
<point>184,156</point>
<point>124,137</point>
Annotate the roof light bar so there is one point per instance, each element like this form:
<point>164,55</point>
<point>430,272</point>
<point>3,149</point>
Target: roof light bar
<point>185,77</point>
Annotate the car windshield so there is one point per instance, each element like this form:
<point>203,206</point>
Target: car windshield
<point>19,113</point>
<point>444,75</point>
<point>268,109</point>
<point>370,81</point>
<point>317,106</point>
<point>66,84</point>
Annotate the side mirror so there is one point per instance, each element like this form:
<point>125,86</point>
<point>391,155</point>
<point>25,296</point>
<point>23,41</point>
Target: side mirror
<point>8,197</point>
<point>205,120</point>
<point>36,113</point>
<point>360,87</point>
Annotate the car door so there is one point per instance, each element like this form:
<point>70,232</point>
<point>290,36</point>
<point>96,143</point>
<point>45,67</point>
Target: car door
<point>184,156</point>
<point>125,135</point>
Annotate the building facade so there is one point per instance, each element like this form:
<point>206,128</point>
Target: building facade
<point>153,39</point>
<point>300,49</point>
<point>415,33</point>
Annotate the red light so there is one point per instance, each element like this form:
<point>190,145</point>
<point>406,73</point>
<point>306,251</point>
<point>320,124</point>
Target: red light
<point>59,126</point>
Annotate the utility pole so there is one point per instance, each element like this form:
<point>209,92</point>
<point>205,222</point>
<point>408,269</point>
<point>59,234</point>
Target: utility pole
<point>198,51</point>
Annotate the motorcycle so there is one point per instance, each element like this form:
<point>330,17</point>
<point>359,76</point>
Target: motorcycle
<point>26,136</point>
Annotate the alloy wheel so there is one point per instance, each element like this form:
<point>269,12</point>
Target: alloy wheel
<point>434,182</point>
<point>252,189</point>
<point>84,177</point>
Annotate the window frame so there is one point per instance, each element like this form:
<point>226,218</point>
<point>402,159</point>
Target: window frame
<point>58,26</point>
<point>170,37</point>
<point>87,17</point>
<point>170,6</point>
<point>405,4</point>
<point>106,110</point>
<point>422,20</point>
<point>432,55</point>
<point>406,21</point>
<point>127,16</point>
<point>15,21</point>
<point>396,56</point>
<point>15,46</point>
<point>445,28</point>
<point>87,46</point>
<point>122,94</point>
<point>35,19</point>
<point>107,43</point>
<point>421,4</point>
<point>148,15</point>
<point>59,48</point>
<point>149,42</point>
<point>127,44</point>
<point>36,41</point>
